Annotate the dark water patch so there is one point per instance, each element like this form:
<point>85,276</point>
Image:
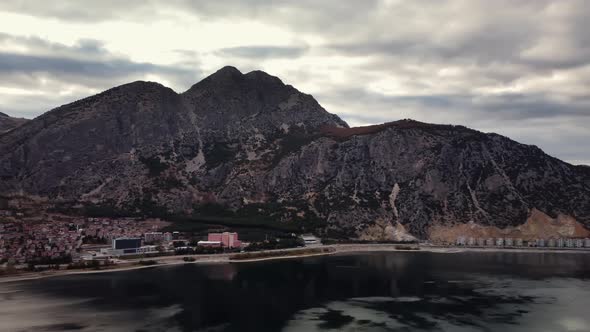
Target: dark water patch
<point>371,291</point>
<point>59,327</point>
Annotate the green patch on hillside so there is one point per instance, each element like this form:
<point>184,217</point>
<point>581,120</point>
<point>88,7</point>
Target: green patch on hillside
<point>154,165</point>
<point>291,144</point>
<point>141,207</point>
<point>169,182</point>
<point>106,209</point>
<point>219,154</point>
<point>258,217</point>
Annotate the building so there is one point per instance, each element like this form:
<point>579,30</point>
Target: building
<point>587,243</point>
<point>112,252</point>
<point>471,241</point>
<point>227,239</point>
<point>153,237</point>
<point>461,241</point>
<point>569,243</point>
<point>490,241</point>
<point>579,243</point>
<point>481,241</point>
<point>551,243</point>
<point>209,244</point>
<point>518,242</point>
<point>500,242</point>
<point>540,242</point>
<point>560,243</point>
<point>310,240</point>
<point>124,243</point>
<point>508,242</point>
<point>147,249</point>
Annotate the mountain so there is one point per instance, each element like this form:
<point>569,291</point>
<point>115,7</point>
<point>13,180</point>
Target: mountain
<point>248,147</point>
<point>8,123</point>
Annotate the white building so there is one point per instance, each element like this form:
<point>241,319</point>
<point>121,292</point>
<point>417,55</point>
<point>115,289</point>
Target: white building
<point>310,240</point>
<point>153,237</point>
<point>210,244</point>
<point>147,249</point>
<point>461,241</point>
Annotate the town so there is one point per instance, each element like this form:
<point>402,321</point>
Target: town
<point>71,241</point>
<point>63,241</point>
<point>86,239</point>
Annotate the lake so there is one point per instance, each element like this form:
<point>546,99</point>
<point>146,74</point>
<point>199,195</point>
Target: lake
<point>380,291</point>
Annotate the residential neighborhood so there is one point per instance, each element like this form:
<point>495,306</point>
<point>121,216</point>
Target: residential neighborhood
<point>61,241</point>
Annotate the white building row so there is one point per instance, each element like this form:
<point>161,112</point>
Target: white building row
<point>519,242</point>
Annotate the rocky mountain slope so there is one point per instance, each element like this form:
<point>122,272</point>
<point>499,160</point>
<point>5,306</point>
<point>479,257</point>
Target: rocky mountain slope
<point>8,123</point>
<point>247,146</point>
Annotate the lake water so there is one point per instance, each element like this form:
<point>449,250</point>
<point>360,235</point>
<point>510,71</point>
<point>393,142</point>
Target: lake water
<point>384,291</point>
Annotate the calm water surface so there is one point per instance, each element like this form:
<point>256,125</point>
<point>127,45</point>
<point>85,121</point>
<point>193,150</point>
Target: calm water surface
<point>416,291</point>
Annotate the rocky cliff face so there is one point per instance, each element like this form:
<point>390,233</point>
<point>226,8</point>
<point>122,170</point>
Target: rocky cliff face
<point>250,146</point>
<point>8,123</point>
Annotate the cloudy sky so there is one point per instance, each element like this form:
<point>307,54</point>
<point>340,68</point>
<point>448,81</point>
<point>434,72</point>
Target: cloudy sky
<point>520,68</point>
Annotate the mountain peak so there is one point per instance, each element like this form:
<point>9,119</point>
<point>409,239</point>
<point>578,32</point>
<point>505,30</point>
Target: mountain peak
<point>228,70</point>
<point>230,76</point>
<point>259,75</point>
<point>225,73</point>
<point>140,85</point>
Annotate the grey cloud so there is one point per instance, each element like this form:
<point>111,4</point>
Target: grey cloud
<point>27,106</point>
<point>85,11</point>
<point>331,15</point>
<point>112,69</point>
<point>34,44</point>
<point>86,62</point>
<point>263,52</point>
<point>508,106</point>
<point>49,69</point>
<point>327,16</point>
<point>504,33</point>
<point>503,30</point>
<point>529,106</point>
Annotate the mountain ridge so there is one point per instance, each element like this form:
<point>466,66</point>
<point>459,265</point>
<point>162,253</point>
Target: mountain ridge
<point>257,148</point>
<point>7,123</point>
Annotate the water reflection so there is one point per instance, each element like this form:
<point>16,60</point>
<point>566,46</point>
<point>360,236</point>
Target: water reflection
<point>361,292</point>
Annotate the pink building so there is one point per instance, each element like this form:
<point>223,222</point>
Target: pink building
<point>227,239</point>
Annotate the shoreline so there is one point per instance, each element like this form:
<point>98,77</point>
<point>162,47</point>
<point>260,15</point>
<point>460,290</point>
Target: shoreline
<point>163,261</point>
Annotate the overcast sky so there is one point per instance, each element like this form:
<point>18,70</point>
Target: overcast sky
<point>520,68</point>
